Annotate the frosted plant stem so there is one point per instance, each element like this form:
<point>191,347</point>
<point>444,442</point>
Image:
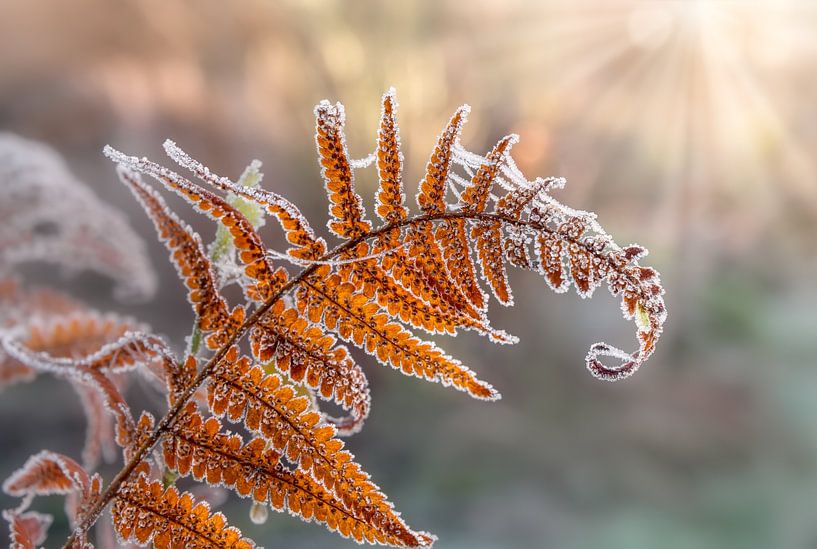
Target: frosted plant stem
<point>172,414</point>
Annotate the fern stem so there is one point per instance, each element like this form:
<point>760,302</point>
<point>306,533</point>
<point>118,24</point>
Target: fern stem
<point>170,417</point>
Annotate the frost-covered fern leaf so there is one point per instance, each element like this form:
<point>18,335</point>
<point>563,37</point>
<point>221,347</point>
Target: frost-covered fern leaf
<point>200,447</point>
<point>187,253</point>
<point>422,272</point>
<point>27,530</point>
<point>49,216</point>
<point>269,406</point>
<point>145,512</point>
<point>375,289</point>
<point>21,307</point>
<point>45,474</point>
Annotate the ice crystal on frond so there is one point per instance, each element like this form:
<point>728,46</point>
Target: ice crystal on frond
<point>434,272</point>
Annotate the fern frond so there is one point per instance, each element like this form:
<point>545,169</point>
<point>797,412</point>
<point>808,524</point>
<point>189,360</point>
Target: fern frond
<point>296,227</point>
<point>475,197</point>
<point>21,308</point>
<point>396,300</point>
<point>45,474</point>
<point>345,205</point>
<point>306,353</point>
<point>80,331</point>
<point>191,262</point>
<point>27,530</point>
<point>252,253</point>
<point>87,371</point>
<point>199,447</point>
<point>92,351</point>
<point>144,512</point>
<point>427,272</point>
<point>391,197</point>
<point>359,321</point>
<point>487,234</point>
<point>268,406</point>
<point>431,197</point>
<point>521,197</point>
<point>411,272</point>
<point>99,429</point>
<point>490,251</point>
<point>451,234</point>
<point>86,339</point>
<point>84,333</point>
<point>82,232</point>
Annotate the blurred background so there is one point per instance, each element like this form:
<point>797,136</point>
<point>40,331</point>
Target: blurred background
<point>689,127</point>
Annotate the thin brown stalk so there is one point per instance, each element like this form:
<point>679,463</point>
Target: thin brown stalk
<point>173,413</point>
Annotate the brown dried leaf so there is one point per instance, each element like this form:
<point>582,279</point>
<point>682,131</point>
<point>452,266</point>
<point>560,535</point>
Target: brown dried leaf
<point>191,262</point>
<point>302,350</point>
<point>296,227</point>
<point>345,206</point>
<point>475,197</point>
<point>144,512</point>
<point>488,236</point>
<point>357,320</point>
<point>27,530</point>
<point>251,251</point>
<point>431,198</point>
<point>200,447</point>
<point>390,195</point>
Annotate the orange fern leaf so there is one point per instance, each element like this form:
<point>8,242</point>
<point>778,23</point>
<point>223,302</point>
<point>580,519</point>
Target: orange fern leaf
<point>458,263</point>
<point>199,447</point>
<point>346,207</point>
<point>132,350</point>
<point>190,260</point>
<point>58,345</point>
<point>144,512</point>
<point>357,320</point>
<point>396,300</point>
<point>20,308</point>
<point>45,474</point>
<point>390,196</point>
<point>475,197</point>
<point>426,272</point>
<point>516,200</point>
<point>304,352</point>
<point>100,427</point>
<point>488,236</point>
<point>83,371</point>
<point>549,249</point>
<point>431,198</point>
<point>114,404</point>
<point>296,227</point>
<point>269,407</point>
<point>253,255</point>
<point>427,258</point>
<point>27,530</point>
<point>83,333</point>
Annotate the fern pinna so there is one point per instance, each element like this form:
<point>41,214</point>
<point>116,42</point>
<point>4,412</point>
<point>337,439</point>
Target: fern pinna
<point>430,271</point>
